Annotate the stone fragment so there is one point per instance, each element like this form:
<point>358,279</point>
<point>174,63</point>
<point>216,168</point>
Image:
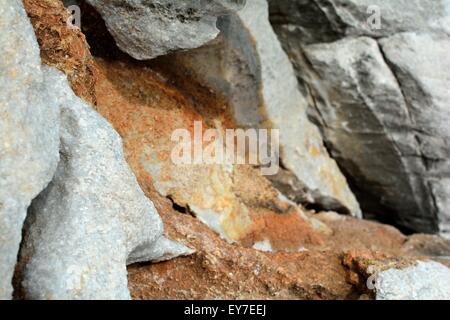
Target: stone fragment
<point>423,281</point>
<point>147,29</point>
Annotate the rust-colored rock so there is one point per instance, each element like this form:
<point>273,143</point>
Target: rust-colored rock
<point>62,46</point>
<point>145,107</point>
<point>320,256</point>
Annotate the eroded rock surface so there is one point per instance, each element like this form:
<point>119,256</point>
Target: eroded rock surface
<point>319,21</point>
<point>248,66</point>
<point>178,24</point>
<point>146,106</point>
<point>380,103</point>
<point>29,131</point>
<point>91,217</point>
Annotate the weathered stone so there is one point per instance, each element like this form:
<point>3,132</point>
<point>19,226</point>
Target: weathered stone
<point>422,65</point>
<point>369,100</point>
<point>423,281</point>
<point>314,21</point>
<point>29,131</point>
<point>147,29</point>
<point>233,200</point>
<point>92,217</point>
<point>247,65</point>
<point>367,124</point>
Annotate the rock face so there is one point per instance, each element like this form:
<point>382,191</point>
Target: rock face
<point>29,131</point>
<point>247,65</point>
<point>421,63</point>
<point>319,21</point>
<point>370,98</point>
<point>423,281</point>
<point>233,200</point>
<point>147,29</point>
<point>92,217</point>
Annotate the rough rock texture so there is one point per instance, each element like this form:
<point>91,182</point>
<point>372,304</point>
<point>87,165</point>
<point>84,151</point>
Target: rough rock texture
<point>62,47</point>
<point>93,215</point>
<point>146,106</point>
<point>147,29</point>
<point>314,21</point>
<point>319,256</point>
<point>368,126</point>
<point>382,104</point>
<point>219,270</point>
<point>422,63</point>
<point>248,66</point>
<point>28,130</point>
<point>423,281</point>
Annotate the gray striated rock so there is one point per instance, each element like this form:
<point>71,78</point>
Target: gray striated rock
<point>29,132</point>
<point>422,65</point>
<point>423,281</point>
<point>92,217</point>
<point>369,98</point>
<point>247,65</point>
<point>314,21</point>
<point>146,29</point>
<point>371,131</point>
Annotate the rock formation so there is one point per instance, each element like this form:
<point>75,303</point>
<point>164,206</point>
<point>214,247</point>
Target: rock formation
<point>92,217</point>
<point>90,155</point>
<point>379,98</point>
<point>179,24</point>
<point>248,66</point>
<point>29,130</point>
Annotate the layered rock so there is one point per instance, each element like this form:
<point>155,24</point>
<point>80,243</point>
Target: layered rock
<point>367,103</point>
<point>178,24</point>
<point>319,21</point>
<point>29,131</point>
<point>421,64</point>
<point>247,65</point>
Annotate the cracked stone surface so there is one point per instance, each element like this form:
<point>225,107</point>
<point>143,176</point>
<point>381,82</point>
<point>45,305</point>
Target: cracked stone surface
<point>179,24</point>
<point>247,66</point>
<point>421,63</point>
<point>29,131</point>
<point>92,217</point>
<point>381,104</point>
<point>316,21</point>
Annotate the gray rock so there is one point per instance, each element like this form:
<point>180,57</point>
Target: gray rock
<point>371,131</point>
<point>82,229</point>
<point>146,29</point>
<point>423,281</point>
<point>313,21</point>
<point>29,132</point>
<point>370,88</point>
<point>247,65</point>
<point>422,65</point>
